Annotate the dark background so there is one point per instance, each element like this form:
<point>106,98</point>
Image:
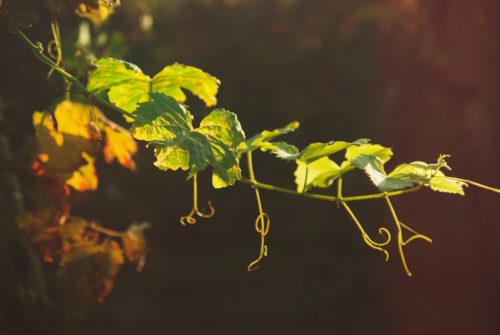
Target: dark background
<point>419,76</point>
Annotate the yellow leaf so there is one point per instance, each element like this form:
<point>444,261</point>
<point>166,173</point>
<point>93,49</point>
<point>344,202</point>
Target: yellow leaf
<point>85,178</point>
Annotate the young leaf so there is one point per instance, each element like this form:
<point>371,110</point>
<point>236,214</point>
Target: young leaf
<point>447,185</point>
<point>309,175</point>
<point>262,139</point>
<point>127,85</point>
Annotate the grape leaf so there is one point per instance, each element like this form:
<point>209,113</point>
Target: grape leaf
<point>85,178</point>
<point>88,271</point>
<point>168,127</point>
<point>127,86</point>
<point>68,151</point>
<point>262,140</point>
<point>96,11</point>
<point>407,175</point>
<point>447,185</point>
<point>314,171</point>
<point>316,151</point>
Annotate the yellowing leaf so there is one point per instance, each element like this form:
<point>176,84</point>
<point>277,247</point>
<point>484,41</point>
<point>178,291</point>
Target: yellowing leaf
<point>119,145</point>
<point>88,271</point>
<point>96,10</point>
<point>85,178</point>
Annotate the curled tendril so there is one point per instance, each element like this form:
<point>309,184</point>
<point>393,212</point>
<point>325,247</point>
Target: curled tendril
<point>191,217</point>
<point>54,47</point>
<point>262,224</point>
<point>368,240</point>
<point>416,235</point>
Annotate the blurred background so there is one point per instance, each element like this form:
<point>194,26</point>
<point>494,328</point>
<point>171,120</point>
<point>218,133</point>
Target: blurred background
<point>419,76</point>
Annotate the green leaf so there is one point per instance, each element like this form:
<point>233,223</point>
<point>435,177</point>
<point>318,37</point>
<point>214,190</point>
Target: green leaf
<point>125,83</point>
<point>262,139</point>
<point>353,152</point>
<point>167,125</point>
<point>374,168</point>
<point>282,150</point>
<point>316,151</point>
<point>127,86</point>
<point>310,175</point>
<point>447,185</point>
<point>173,78</point>
<point>224,126</point>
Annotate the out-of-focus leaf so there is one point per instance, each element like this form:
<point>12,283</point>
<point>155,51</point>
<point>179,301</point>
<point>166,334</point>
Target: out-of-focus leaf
<point>85,178</point>
<point>96,11</point>
<point>88,271</point>
<point>58,153</point>
<point>167,125</point>
<point>119,145</point>
<point>127,86</point>
<point>68,151</point>
<point>134,245</point>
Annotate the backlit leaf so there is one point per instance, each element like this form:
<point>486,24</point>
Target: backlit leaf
<point>447,185</point>
<point>262,139</point>
<point>168,127</point>
<point>127,86</point>
<point>312,171</point>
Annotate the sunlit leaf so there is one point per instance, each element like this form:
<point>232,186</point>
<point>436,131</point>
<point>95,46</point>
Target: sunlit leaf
<point>127,86</point>
<point>119,144</point>
<point>447,185</point>
<point>124,83</point>
<point>306,175</point>
<point>85,178</point>
<point>96,10</point>
<point>173,78</point>
<point>134,244</point>
<point>263,139</point>
<point>167,125</point>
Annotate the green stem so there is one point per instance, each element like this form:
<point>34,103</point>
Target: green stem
<point>327,197</point>
<point>486,187</point>
<point>37,51</point>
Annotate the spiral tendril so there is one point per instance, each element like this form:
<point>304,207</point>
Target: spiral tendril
<point>191,217</point>
<point>262,224</point>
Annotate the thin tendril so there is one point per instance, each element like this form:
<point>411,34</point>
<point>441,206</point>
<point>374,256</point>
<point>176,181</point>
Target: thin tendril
<point>371,243</point>
<point>262,222</point>
<point>190,218</point>
<point>54,47</point>
<point>400,235</point>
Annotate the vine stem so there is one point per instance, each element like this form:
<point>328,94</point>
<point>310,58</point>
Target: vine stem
<point>325,197</point>
<point>489,188</point>
<point>37,51</point>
